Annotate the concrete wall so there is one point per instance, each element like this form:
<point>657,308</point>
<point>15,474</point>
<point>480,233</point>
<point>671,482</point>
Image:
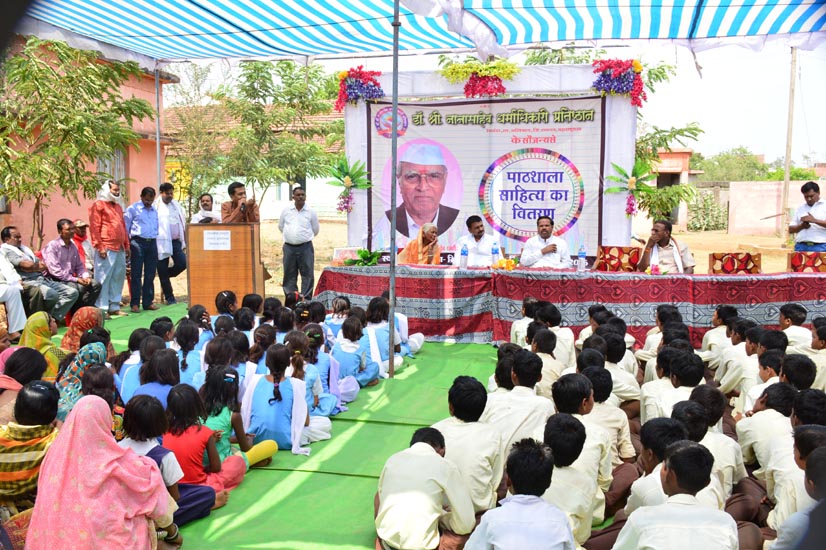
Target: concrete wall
<point>754,206</point>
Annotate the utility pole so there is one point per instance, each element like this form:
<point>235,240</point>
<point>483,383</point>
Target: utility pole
<point>784,201</point>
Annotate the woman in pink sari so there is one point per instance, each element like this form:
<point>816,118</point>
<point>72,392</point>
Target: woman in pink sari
<point>94,494</point>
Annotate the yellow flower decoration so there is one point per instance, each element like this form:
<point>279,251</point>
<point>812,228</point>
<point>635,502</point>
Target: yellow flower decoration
<point>347,181</point>
<point>343,74</point>
<point>637,66</point>
<point>632,183</point>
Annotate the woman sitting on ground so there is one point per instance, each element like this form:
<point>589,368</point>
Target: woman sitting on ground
<point>94,494</point>
<point>37,334</point>
<point>424,249</point>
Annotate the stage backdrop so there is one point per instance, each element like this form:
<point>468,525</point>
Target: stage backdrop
<point>509,161</point>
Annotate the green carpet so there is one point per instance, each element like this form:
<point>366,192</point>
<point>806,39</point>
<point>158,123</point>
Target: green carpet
<point>325,501</point>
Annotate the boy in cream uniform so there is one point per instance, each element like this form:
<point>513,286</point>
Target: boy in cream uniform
<point>564,350</point>
<point>716,340</point>
<point>686,374</point>
<point>665,313</point>
<point>674,525</point>
<point>571,490</point>
<point>650,392</point>
<point>474,447</point>
<point>735,354</point>
<point>520,327</point>
<point>816,351</point>
<point>543,344</point>
<point>420,492</point>
<point>609,417</point>
<point>728,457</point>
<point>574,395</point>
<point>626,387</point>
<point>769,419</point>
<point>792,317</point>
<point>769,372</point>
<point>520,413</point>
<point>784,473</point>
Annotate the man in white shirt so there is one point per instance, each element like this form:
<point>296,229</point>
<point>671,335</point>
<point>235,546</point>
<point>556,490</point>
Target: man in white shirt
<point>473,446</point>
<point>682,522</point>
<point>420,494</point>
<point>171,241</point>
<point>11,288</point>
<point>665,253</point>
<point>299,224</point>
<point>525,519</point>
<point>206,214</point>
<point>809,223</point>
<point>479,244</point>
<point>545,250</point>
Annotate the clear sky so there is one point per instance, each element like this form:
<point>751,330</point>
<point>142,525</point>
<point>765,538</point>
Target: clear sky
<point>740,99</point>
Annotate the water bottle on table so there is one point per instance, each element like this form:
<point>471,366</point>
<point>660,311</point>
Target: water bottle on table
<point>494,254</point>
<point>582,258</point>
<point>463,257</point>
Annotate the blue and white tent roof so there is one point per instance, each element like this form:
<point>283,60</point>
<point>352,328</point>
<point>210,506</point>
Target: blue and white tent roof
<point>196,29</point>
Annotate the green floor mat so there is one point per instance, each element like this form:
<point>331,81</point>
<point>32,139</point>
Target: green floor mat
<point>290,510</point>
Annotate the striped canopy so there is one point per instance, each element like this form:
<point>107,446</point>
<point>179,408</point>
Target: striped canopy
<point>196,29</point>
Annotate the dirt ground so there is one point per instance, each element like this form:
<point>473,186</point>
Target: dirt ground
<point>333,234</point>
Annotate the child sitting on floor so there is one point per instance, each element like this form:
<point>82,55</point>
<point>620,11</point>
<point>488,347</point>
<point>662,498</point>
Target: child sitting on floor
<point>220,396</point>
<point>319,402</point>
<point>791,319</point>
<point>189,439</point>
<point>525,519</point>
<point>144,421</point>
<point>519,327</point>
<point>189,359</point>
<point>264,337</point>
<point>422,501</point>
<point>341,310</point>
<point>353,356</point>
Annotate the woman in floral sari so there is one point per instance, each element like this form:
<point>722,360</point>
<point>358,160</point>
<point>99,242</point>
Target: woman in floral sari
<point>424,249</point>
<point>70,382</point>
<point>37,334</point>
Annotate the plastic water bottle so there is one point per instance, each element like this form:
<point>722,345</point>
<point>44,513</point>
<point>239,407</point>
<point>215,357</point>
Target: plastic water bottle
<point>581,258</point>
<point>494,254</point>
<point>463,257</point>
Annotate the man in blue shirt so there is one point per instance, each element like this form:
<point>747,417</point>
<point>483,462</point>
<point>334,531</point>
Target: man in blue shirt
<point>142,224</point>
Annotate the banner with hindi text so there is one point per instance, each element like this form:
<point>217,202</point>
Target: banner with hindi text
<point>508,161</point>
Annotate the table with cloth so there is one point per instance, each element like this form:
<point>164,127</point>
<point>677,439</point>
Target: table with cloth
<point>479,305</point>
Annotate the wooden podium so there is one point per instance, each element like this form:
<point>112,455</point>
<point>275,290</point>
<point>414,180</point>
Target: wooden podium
<point>223,257</point>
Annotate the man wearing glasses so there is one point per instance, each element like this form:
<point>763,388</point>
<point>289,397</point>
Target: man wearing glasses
<point>422,177</point>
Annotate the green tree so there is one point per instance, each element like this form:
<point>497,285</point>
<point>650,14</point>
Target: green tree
<point>276,139</point>
<point>62,111</point>
<point>737,164</point>
<point>568,54</point>
<point>196,125</point>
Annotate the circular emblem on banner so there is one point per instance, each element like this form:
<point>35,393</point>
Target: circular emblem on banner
<point>525,184</point>
<point>384,122</point>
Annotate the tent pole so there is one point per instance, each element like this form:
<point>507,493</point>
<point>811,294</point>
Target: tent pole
<point>158,124</point>
<point>394,138</point>
<point>787,165</point>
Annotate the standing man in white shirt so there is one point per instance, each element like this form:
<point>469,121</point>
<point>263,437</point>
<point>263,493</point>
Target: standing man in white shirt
<point>479,244</point>
<point>299,224</point>
<point>171,241</point>
<point>809,223</point>
<point>545,250</point>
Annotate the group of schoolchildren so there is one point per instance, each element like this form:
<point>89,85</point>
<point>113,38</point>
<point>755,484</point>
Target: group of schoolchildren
<point>595,442</point>
<point>203,399</point>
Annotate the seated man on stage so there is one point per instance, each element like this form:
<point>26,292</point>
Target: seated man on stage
<point>545,250</point>
<point>238,209</point>
<point>663,251</point>
<point>479,244</point>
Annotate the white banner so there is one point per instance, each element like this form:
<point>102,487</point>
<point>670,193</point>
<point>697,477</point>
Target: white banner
<point>510,162</point>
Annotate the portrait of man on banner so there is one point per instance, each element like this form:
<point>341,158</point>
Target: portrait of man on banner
<point>422,177</point>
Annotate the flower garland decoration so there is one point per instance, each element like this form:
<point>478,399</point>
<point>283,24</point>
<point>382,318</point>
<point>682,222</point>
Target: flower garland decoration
<point>481,79</point>
<point>349,176</point>
<point>620,77</point>
<point>635,184</point>
<point>358,84</point>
